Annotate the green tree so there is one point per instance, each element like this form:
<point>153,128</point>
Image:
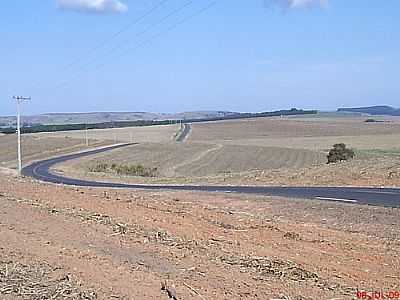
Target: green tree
<point>340,152</point>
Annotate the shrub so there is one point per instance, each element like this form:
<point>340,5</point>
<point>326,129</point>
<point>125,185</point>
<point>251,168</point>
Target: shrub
<point>370,121</point>
<point>339,152</point>
<point>99,167</point>
<point>120,169</point>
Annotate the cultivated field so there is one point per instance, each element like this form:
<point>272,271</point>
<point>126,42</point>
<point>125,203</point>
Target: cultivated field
<point>43,145</point>
<point>61,242</point>
<point>145,134</point>
<point>303,133</point>
<point>197,159</point>
<point>36,147</point>
<point>265,151</point>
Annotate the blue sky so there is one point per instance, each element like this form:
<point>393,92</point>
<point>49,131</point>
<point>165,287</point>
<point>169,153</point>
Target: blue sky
<point>238,55</point>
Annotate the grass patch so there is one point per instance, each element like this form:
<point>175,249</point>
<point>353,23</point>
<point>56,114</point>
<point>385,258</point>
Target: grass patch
<point>121,169</point>
<point>378,152</point>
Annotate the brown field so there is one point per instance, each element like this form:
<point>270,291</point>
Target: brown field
<point>266,151</point>
<point>80,243</point>
<point>43,145</point>
<point>273,127</point>
<point>308,133</point>
<point>146,134</point>
<point>74,243</point>
<point>194,159</point>
<point>323,143</point>
<point>36,147</point>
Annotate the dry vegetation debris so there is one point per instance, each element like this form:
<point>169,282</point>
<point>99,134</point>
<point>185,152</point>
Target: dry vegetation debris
<point>221,247</point>
<point>267,267</point>
<point>260,268</point>
<point>35,282</point>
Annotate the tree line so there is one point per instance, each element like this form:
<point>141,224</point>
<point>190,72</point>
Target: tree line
<point>121,124</point>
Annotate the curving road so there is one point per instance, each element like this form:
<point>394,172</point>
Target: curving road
<point>184,133</point>
<point>389,197</point>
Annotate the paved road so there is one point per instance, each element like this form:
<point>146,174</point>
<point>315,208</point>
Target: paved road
<point>372,196</point>
<point>184,133</point>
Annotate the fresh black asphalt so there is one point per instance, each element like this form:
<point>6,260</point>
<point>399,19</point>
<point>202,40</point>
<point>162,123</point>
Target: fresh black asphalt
<point>389,197</point>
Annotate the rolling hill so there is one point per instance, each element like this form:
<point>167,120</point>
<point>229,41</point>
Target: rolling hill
<point>103,117</point>
<point>373,110</point>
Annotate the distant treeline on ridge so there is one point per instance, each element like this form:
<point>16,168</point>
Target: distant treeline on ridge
<point>373,110</point>
<point>121,124</point>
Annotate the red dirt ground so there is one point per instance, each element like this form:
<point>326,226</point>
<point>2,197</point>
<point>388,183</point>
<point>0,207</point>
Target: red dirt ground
<point>121,244</point>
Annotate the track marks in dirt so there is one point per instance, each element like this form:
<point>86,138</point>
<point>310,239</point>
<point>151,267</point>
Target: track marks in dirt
<point>183,133</point>
<point>239,158</point>
<point>174,171</point>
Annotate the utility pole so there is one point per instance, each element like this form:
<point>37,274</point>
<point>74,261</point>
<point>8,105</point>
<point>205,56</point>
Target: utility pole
<point>19,100</point>
<point>114,132</point>
<point>86,136</point>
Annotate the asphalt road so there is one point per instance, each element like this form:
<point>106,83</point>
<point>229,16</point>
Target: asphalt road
<point>389,197</point>
<point>184,133</point>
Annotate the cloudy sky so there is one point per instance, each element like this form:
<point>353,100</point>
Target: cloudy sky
<point>176,55</point>
<point>97,6</point>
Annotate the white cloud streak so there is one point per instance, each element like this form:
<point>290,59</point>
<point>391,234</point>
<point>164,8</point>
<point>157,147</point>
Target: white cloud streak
<point>93,6</point>
<point>298,4</point>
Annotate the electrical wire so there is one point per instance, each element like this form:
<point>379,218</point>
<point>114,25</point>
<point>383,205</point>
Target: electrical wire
<point>150,39</point>
<point>114,36</point>
<point>147,29</point>
<point>118,33</point>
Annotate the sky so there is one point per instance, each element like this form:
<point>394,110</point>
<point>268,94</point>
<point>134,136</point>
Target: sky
<point>182,55</point>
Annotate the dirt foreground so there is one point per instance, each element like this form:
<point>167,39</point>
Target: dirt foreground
<point>73,243</point>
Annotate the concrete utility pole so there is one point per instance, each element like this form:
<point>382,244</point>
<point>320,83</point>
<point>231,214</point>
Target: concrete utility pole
<point>86,136</point>
<point>19,100</point>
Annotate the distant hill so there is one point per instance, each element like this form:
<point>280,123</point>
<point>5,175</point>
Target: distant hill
<point>104,117</point>
<point>373,110</point>
<point>165,120</point>
<point>119,117</point>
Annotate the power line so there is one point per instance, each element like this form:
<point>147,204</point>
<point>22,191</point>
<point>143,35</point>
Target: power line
<point>118,33</point>
<point>141,33</point>
<point>153,37</point>
<point>111,38</point>
<point>168,29</point>
<point>155,24</point>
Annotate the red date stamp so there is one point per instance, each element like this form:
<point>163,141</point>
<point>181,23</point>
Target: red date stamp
<point>376,295</point>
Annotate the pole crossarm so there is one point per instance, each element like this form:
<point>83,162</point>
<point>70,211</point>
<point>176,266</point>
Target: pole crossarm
<point>21,99</point>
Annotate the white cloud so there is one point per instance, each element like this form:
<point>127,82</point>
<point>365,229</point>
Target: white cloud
<point>298,4</point>
<point>97,6</point>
